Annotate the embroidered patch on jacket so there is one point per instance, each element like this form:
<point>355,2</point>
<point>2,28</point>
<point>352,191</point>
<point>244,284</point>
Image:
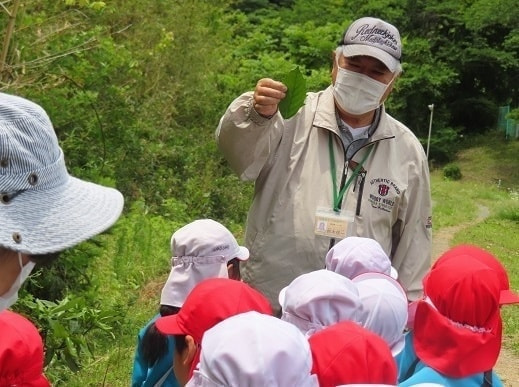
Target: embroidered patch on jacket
<point>428,224</point>
<point>383,193</point>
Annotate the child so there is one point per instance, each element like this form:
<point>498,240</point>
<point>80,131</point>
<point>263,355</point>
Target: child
<point>507,296</point>
<point>201,249</point>
<point>352,256</point>
<point>254,349</point>
<point>21,352</point>
<point>43,209</point>
<point>211,301</point>
<point>456,337</point>
<point>346,353</point>
<point>321,298</point>
<point>386,302</point>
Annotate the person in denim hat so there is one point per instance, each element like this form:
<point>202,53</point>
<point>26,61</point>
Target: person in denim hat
<point>43,209</point>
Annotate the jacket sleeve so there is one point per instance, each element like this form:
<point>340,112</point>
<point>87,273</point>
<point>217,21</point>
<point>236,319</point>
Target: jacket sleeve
<point>246,139</point>
<point>412,253</point>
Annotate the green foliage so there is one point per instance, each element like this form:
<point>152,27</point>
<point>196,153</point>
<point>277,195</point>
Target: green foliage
<point>452,172</point>
<point>309,44</point>
<point>513,115</point>
<point>96,5</point>
<point>478,115</point>
<point>65,326</point>
<point>443,145</point>
<point>424,81</point>
<point>135,90</point>
<point>510,212</point>
<point>295,94</point>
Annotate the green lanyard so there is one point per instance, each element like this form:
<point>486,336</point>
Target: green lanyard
<point>337,198</point>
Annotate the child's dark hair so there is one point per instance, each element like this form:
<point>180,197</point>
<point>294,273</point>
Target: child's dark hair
<point>154,343</point>
<point>180,343</point>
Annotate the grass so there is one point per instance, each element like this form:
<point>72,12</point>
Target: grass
<point>133,269</point>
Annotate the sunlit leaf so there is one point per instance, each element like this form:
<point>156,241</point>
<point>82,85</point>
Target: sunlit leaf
<point>296,93</point>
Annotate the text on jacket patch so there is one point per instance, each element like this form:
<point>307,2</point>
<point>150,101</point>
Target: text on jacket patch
<point>380,194</point>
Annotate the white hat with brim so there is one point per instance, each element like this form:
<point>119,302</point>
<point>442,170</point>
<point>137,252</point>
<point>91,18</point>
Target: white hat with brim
<point>201,250</point>
<point>44,209</point>
<point>353,255</point>
<point>369,36</point>
<point>186,273</point>
<point>315,300</point>
<point>254,349</point>
<point>386,301</point>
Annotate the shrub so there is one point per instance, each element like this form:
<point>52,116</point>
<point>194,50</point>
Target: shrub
<point>452,172</point>
<point>443,145</point>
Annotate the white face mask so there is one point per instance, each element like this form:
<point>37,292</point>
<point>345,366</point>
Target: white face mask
<point>9,298</point>
<point>356,93</point>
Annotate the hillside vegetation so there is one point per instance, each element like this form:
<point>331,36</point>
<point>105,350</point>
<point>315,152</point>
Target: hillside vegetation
<point>135,89</point>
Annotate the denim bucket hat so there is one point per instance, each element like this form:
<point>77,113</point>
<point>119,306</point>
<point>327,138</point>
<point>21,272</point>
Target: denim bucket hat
<point>44,209</point>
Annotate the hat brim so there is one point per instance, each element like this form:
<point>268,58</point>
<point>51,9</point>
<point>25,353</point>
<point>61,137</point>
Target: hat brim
<point>508,297</point>
<point>55,219</point>
<point>398,347</point>
<point>243,253</point>
<point>364,50</point>
<point>281,296</point>
<point>169,325</point>
<point>453,350</point>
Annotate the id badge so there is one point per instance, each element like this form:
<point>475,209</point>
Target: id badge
<point>333,224</point>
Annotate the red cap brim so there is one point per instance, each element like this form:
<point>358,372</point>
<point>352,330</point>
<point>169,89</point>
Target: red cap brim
<point>169,325</point>
<point>508,297</point>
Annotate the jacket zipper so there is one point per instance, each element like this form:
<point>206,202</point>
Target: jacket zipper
<point>359,194</point>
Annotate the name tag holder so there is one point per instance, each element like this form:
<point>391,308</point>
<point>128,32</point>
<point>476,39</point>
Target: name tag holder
<point>333,224</point>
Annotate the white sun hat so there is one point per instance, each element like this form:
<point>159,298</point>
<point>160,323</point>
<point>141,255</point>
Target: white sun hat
<point>386,302</point>
<point>254,349</point>
<point>319,299</point>
<point>353,255</point>
<point>42,208</point>
<point>201,250</point>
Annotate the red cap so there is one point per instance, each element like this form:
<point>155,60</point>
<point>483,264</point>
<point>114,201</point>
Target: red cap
<point>21,352</point>
<point>211,301</point>
<point>346,353</point>
<point>458,328</point>
<point>507,296</point>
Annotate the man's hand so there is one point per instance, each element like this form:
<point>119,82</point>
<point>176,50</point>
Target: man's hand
<point>267,95</point>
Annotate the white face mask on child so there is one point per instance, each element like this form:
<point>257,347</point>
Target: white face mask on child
<point>9,298</point>
<point>356,93</point>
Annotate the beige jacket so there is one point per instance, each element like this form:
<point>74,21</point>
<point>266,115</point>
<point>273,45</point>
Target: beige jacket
<point>289,160</point>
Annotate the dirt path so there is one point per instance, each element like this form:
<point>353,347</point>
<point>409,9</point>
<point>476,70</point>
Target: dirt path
<point>507,366</point>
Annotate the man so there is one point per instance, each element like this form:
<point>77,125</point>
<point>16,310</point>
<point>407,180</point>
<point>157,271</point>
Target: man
<point>341,162</point>
<point>43,210</point>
